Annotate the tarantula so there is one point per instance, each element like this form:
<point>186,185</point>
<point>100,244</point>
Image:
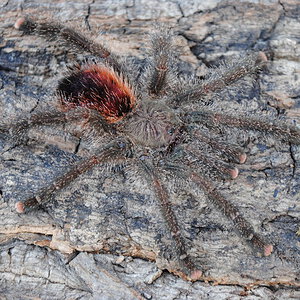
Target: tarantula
<point>141,119</point>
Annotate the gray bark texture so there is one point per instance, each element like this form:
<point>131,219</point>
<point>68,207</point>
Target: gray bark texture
<point>101,237</point>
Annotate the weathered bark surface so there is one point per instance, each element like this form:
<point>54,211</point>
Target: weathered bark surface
<point>112,222</point>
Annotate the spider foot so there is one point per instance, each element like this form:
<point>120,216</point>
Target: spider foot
<point>261,246</point>
<point>195,275</point>
<point>234,173</point>
<point>242,158</point>
<point>20,22</point>
<point>183,268</point>
<point>268,249</point>
<point>25,24</point>
<point>22,206</point>
<point>192,275</point>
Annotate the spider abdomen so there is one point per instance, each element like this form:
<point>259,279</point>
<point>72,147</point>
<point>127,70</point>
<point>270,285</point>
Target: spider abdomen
<point>100,88</point>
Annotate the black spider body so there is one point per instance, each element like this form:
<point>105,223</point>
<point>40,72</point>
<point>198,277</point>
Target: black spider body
<point>142,121</point>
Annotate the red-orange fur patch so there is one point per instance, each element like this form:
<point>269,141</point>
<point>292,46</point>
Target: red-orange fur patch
<point>100,88</point>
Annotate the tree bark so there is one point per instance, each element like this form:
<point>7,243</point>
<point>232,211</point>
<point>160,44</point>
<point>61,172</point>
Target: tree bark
<point>101,237</point>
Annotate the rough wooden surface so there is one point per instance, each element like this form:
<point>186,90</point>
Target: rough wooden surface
<point>111,221</point>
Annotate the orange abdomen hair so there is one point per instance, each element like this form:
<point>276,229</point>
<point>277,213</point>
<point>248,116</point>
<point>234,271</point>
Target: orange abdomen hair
<point>100,88</point>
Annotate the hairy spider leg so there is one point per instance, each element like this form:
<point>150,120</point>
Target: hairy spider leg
<point>56,31</point>
<point>232,212</point>
<point>19,128</point>
<point>226,207</point>
<point>114,150</point>
<point>285,132</point>
<point>232,152</point>
<point>162,61</point>
<point>166,207</point>
<point>215,166</point>
<point>223,76</point>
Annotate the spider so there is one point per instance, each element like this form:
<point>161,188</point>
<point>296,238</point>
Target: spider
<point>141,119</point>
